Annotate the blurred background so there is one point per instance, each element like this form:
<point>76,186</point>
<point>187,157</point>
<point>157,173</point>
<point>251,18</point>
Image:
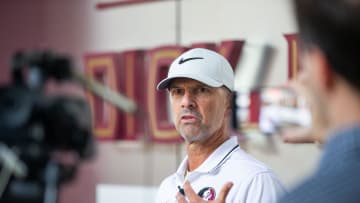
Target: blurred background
<point>128,45</point>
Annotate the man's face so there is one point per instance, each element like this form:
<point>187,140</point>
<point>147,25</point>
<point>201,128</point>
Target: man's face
<point>199,110</point>
<point>310,78</point>
<point>307,74</point>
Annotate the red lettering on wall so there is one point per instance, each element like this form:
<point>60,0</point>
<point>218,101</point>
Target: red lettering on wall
<point>293,55</point>
<point>128,73</point>
<point>122,72</point>
<point>254,108</point>
<point>102,67</point>
<point>159,60</point>
<point>231,50</point>
<point>132,82</point>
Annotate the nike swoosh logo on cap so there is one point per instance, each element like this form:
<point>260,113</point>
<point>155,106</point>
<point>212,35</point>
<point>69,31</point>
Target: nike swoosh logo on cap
<point>182,60</point>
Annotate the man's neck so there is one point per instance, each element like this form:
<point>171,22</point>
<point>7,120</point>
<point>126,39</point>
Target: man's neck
<point>198,152</point>
<point>346,109</point>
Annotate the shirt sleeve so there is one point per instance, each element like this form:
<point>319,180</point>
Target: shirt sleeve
<point>166,192</point>
<point>264,187</point>
<point>160,194</point>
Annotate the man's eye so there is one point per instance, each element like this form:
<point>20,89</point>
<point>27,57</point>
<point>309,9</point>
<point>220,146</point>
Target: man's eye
<point>203,90</point>
<point>176,91</point>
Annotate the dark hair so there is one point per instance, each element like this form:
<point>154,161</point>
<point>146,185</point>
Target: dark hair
<point>334,27</point>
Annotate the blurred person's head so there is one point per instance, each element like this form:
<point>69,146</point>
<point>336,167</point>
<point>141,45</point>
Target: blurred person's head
<point>330,46</point>
<point>333,26</point>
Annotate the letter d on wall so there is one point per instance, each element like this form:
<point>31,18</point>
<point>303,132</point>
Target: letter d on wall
<point>159,60</point>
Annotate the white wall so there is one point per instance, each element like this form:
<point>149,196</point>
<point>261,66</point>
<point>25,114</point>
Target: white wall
<point>252,20</point>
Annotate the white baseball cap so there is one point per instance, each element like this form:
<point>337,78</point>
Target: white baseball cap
<point>203,65</point>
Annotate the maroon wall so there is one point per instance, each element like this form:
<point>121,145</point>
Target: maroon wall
<point>21,27</point>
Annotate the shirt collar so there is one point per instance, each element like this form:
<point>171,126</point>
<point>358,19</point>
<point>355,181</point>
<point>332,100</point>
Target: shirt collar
<point>216,159</point>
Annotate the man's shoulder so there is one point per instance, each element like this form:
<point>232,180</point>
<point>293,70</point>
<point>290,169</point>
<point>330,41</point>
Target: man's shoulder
<point>243,162</point>
<point>167,189</point>
<point>169,180</point>
<point>332,186</point>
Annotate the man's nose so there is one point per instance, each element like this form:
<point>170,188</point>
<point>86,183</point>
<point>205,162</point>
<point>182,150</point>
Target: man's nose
<point>188,100</point>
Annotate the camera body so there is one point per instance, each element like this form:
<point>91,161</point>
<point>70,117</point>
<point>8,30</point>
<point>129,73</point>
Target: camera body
<point>39,129</point>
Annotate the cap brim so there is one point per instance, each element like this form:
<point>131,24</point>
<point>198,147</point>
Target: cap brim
<point>164,84</point>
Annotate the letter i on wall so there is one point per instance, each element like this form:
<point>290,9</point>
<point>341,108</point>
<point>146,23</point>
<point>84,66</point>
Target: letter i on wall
<point>293,55</point>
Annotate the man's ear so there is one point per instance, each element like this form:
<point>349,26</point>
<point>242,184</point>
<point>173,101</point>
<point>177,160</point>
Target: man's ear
<point>322,69</point>
<point>229,104</point>
<point>228,111</point>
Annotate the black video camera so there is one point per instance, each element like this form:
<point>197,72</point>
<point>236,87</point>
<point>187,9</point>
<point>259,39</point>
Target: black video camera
<point>38,132</point>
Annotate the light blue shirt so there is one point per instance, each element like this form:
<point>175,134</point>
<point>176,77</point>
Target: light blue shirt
<point>337,179</point>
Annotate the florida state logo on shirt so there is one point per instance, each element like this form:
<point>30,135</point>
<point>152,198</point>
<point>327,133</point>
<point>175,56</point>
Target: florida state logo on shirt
<point>207,193</point>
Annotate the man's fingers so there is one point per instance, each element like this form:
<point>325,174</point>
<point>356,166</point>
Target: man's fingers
<point>224,192</point>
<point>193,197</point>
<point>298,135</point>
<point>190,193</point>
<point>180,198</point>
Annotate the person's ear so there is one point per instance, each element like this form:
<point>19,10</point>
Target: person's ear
<point>228,109</point>
<point>322,69</point>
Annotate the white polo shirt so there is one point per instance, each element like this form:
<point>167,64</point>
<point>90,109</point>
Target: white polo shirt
<point>253,181</point>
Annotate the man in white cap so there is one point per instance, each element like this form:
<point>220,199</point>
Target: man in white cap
<point>200,84</point>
